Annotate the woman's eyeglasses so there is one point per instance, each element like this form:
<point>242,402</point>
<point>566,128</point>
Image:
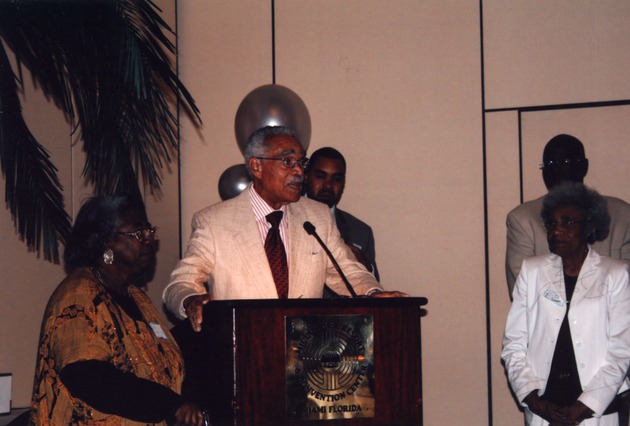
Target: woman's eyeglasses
<point>142,235</point>
<point>563,224</point>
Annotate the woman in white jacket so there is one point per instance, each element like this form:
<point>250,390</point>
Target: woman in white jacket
<point>566,346</point>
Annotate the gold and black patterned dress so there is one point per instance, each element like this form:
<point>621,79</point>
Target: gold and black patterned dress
<point>84,321</point>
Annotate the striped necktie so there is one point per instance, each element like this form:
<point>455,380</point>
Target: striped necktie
<point>276,255</point>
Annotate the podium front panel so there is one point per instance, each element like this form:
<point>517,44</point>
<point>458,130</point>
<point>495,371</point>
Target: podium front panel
<point>329,367</point>
<point>306,362</point>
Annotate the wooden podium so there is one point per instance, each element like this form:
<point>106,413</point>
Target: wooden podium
<point>306,361</point>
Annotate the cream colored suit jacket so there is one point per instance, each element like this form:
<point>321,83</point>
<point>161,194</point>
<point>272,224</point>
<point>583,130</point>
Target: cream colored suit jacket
<point>226,251</point>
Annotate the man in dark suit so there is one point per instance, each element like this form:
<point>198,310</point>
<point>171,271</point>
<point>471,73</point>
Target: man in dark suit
<point>325,181</point>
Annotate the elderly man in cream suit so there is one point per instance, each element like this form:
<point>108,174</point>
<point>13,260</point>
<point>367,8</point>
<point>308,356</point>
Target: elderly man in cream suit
<point>227,246</point>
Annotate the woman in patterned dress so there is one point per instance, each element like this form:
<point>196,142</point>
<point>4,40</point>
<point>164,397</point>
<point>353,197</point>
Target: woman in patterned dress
<point>105,356</point>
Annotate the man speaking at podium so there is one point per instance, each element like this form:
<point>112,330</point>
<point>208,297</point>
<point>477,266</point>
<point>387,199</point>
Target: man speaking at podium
<point>255,246</point>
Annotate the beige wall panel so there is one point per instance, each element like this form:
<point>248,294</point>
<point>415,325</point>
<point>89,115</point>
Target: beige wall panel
<point>225,52</point>
<point>605,133</point>
<point>503,183</point>
<point>397,90</point>
<point>548,52</point>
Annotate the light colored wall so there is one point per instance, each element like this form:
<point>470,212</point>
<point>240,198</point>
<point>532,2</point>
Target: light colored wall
<point>397,87</point>
<point>537,55</point>
<point>544,53</point>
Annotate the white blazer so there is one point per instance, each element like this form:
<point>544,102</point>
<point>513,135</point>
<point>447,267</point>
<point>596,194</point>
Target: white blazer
<point>599,320</point>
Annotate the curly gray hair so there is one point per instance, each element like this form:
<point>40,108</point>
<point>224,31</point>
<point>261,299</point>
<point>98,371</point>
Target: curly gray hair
<point>593,206</point>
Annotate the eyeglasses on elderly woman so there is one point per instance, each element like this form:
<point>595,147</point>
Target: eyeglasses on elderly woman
<point>562,224</point>
<point>143,235</point>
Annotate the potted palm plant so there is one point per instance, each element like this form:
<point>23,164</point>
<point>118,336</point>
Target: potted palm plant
<point>106,65</point>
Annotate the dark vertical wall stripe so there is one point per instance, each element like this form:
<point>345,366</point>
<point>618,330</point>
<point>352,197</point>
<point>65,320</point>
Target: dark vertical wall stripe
<point>273,42</point>
<point>485,220</point>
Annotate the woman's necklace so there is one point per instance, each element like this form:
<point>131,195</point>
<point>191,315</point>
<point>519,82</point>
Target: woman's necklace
<point>98,276</point>
<point>127,304</point>
<point>101,280</point>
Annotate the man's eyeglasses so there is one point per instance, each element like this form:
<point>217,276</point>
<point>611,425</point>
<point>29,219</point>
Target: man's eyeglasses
<point>564,224</point>
<point>289,162</point>
<point>561,162</point>
<point>142,235</point>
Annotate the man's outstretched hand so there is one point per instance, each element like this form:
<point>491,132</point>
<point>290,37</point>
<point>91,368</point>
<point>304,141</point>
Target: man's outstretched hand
<point>193,306</point>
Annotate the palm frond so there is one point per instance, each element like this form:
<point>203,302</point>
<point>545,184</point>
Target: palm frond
<point>105,64</point>
<point>33,192</point>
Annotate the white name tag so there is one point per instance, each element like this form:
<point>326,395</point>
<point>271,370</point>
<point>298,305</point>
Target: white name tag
<point>554,297</point>
<point>157,330</point>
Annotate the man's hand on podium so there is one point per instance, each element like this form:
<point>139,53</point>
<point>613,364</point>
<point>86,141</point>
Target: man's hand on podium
<point>188,414</point>
<point>193,306</point>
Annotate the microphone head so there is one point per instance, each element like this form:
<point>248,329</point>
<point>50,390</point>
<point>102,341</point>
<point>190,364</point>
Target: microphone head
<point>309,228</point>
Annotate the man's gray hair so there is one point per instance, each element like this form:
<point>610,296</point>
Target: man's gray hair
<point>257,142</point>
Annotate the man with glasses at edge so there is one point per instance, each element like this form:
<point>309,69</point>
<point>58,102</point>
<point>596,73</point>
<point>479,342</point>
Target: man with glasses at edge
<point>227,248</point>
<point>563,160</point>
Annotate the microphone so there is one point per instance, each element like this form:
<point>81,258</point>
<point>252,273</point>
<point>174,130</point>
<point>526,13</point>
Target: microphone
<point>310,230</point>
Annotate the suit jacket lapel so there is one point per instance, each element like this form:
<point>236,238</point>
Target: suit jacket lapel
<point>554,275</point>
<point>587,277</point>
<point>553,287</point>
<point>301,243</point>
<point>341,222</point>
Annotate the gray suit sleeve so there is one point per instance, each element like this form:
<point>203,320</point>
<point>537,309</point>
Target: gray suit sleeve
<point>520,245</point>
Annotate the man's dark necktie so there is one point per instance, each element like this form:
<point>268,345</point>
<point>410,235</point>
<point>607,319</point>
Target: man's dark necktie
<point>276,255</point>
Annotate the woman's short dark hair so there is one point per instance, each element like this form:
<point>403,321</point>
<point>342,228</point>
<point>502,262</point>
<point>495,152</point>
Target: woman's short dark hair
<point>94,226</point>
<point>592,205</point>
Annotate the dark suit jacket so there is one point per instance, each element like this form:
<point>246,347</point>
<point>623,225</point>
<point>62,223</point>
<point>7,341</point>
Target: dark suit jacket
<point>357,233</point>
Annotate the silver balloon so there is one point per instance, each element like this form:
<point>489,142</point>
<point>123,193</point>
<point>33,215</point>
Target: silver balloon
<point>233,181</point>
<point>272,105</point>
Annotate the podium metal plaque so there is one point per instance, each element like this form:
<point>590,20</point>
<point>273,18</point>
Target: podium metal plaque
<point>329,367</point>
